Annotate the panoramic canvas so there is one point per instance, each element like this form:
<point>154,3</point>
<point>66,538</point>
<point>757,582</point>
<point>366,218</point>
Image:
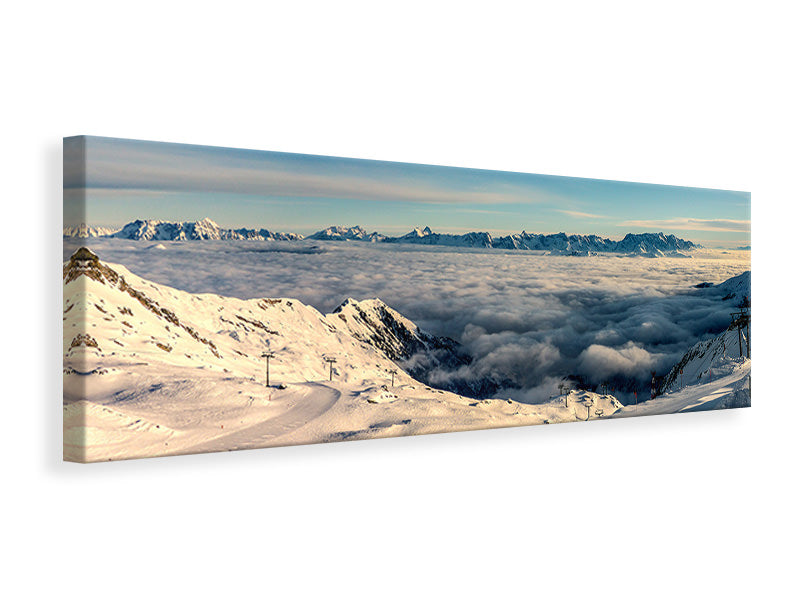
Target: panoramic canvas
<point>222,299</point>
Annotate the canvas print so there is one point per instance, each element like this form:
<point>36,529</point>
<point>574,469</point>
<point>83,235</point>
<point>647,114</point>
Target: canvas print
<point>221,299</point>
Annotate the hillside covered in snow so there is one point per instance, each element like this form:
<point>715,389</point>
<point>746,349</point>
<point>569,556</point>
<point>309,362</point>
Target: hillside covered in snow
<point>714,376</point>
<point>714,373</point>
<point>710,360</point>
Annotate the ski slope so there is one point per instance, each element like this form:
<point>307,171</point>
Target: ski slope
<point>711,375</point>
<point>150,371</point>
<point>729,391</point>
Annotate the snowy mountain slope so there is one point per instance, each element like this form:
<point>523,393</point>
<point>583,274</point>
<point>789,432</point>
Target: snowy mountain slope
<point>708,360</point>
<point>736,288</point>
<point>428,358</point>
<point>586,405</point>
<point>150,370</point>
<point>205,229</point>
<point>712,374</point>
<point>136,317</point>
<point>727,386</point>
<point>717,356</point>
<point>400,339</point>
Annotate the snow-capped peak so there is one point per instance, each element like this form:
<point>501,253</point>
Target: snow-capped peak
<point>205,229</point>
<point>418,232</point>
<point>206,223</point>
<point>338,232</point>
<point>376,324</point>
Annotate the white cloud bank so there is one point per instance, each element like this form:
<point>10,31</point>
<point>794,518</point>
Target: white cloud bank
<point>527,320</point>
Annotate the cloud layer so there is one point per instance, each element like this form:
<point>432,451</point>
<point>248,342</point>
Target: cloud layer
<point>528,320</point>
<point>687,224</point>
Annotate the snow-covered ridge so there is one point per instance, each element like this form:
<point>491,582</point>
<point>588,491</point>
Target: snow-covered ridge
<point>736,288</point>
<point>709,360</point>
<point>717,356</point>
<point>634,244</point>
<point>712,375</point>
<point>400,339</point>
<point>369,323</point>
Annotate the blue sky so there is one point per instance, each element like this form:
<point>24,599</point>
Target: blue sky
<point>127,179</point>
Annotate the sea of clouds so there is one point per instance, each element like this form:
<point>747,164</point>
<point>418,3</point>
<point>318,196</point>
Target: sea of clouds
<point>528,320</point>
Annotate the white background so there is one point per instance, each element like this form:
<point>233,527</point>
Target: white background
<point>687,93</point>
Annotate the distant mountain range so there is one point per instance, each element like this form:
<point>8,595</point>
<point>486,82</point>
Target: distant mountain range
<point>195,230</point>
<point>655,244</point>
<point>639,244</point>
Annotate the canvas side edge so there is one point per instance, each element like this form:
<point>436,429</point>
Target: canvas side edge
<point>74,214</point>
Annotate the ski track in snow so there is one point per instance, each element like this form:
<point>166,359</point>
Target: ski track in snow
<point>315,401</point>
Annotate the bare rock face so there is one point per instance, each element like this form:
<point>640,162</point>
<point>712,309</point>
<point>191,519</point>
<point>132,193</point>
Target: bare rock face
<point>426,357</point>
